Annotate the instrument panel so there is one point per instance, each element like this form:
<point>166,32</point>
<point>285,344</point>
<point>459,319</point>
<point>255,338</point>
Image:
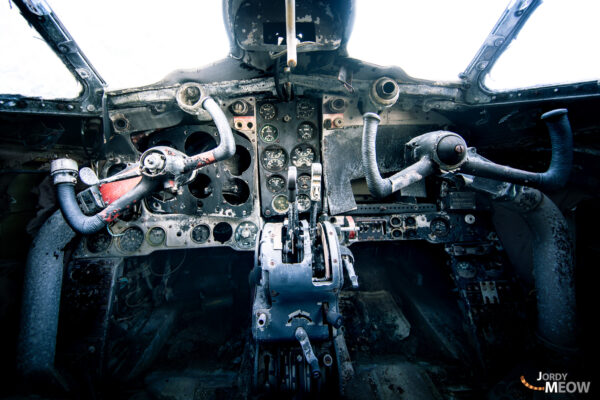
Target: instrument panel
<point>288,135</point>
<point>225,188</point>
<point>150,233</point>
<point>220,206</point>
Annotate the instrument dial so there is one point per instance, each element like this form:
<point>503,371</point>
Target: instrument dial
<point>275,183</point>
<point>304,182</point>
<point>305,109</point>
<point>156,236</point>
<point>200,234</point>
<point>274,158</point>
<point>239,107</point>
<point>306,131</point>
<point>131,240</point>
<point>439,227</point>
<point>269,134</point>
<point>303,156</point>
<point>98,242</point>
<point>267,111</point>
<point>245,235</point>
<point>466,270</point>
<point>280,204</point>
<point>303,203</point>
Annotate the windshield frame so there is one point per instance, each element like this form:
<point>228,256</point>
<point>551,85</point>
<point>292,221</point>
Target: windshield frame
<point>92,99</point>
<point>92,96</point>
<point>504,32</point>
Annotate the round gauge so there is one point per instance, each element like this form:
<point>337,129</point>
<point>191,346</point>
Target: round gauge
<point>200,233</point>
<point>156,236</point>
<point>439,227</point>
<point>98,242</point>
<point>267,111</point>
<point>305,109</point>
<point>303,203</point>
<point>303,182</point>
<point>131,239</point>
<point>245,235</point>
<point>280,204</point>
<point>303,156</point>
<point>269,133</point>
<point>466,270</point>
<point>274,158</point>
<point>275,183</point>
<point>306,131</point>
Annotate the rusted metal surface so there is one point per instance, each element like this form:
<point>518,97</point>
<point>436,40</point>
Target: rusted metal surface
<point>216,204</point>
<point>114,190</point>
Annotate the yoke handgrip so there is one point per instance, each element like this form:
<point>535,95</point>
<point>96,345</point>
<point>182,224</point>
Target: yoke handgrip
<point>561,162</point>
<point>226,147</point>
<point>447,151</point>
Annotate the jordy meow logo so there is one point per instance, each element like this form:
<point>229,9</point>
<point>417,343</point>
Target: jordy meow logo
<point>549,382</point>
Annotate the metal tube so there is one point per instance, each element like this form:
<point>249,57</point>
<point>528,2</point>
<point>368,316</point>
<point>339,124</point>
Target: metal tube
<point>412,174</point>
<point>290,27</point>
<point>64,172</point>
<point>377,185</point>
<point>558,172</point>
<point>226,147</point>
<point>553,269</point>
<point>36,346</point>
<point>90,224</point>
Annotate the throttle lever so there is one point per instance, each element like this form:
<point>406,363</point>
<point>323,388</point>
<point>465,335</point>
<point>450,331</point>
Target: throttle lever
<point>316,172</point>
<point>292,230</point>
<point>292,184</point>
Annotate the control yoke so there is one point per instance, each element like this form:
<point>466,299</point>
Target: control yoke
<point>158,167</point>
<point>447,151</point>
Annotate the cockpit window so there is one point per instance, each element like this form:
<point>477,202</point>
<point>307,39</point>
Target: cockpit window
<point>136,42</point>
<point>556,45</point>
<point>28,66</point>
<point>429,39</point>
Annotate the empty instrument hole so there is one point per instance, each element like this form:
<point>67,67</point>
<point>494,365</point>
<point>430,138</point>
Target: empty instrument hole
<point>236,192</point>
<point>240,161</point>
<point>199,142</point>
<point>201,186</point>
<point>222,232</point>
